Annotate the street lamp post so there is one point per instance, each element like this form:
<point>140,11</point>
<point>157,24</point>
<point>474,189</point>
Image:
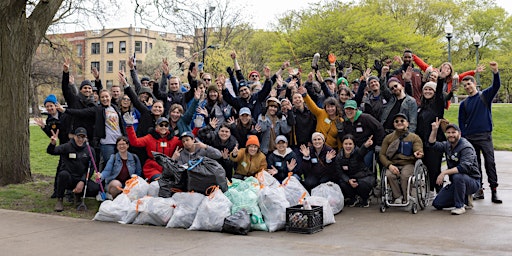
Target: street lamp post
<point>476,43</point>
<point>448,29</point>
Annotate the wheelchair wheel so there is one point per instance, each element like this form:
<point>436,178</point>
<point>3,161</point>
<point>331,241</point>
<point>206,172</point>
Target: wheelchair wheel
<point>383,191</point>
<point>421,183</point>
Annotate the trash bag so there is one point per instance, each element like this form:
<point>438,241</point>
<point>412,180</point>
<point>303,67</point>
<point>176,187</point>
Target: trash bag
<point>204,173</point>
<point>266,179</point>
<point>326,208</point>
<point>131,213</point>
<point>238,223</point>
<point>153,189</point>
<point>186,209</point>
<point>136,187</point>
<point>212,211</point>
<point>332,192</point>
<point>247,199</point>
<point>115,210</point>
<point>294,190</point>
<point>173,177</point>
<point>272,202</point>
<point>154,211</point>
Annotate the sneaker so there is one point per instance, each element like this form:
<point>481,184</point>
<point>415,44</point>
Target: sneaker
<point>470,202</point>
<point>364,203</point>
<point>352,202</point>
<point>479,194</point>
<point>59,206</point>
<point>431,196</point>
<point>399,200</point>
<point>458,211</point>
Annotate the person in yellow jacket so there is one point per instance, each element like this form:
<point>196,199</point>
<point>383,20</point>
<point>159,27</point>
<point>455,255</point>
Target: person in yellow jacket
<point>250,159</point>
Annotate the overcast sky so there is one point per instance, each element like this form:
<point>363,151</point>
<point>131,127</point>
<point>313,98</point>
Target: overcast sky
<point>263,12</point>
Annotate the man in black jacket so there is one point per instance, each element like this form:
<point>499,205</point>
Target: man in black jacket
<point>75,160</point>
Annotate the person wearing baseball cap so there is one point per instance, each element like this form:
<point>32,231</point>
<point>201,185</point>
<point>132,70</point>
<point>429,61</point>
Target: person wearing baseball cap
<point>194,149</point>
<point>282,160</point>
<point>461,168</point>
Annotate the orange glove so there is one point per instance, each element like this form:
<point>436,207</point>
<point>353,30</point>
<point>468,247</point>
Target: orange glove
<point>332,58</point>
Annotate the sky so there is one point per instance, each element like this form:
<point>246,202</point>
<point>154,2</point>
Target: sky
<point>263,12</point>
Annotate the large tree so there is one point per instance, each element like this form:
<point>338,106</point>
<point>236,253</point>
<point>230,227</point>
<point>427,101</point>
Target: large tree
<point>20,34</point>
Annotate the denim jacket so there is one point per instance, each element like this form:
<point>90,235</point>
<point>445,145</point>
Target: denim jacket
<point>114,165</point>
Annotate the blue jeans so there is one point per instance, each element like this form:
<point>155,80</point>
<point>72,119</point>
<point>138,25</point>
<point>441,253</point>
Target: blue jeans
<point>455,194</point>
<point>106,151</point>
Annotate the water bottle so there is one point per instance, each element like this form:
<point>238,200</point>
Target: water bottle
<point>314,64</point>
<point>200,67</point>
<point>306,205</point>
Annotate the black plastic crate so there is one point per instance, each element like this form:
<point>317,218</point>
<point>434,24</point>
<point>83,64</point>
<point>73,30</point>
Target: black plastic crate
<point>303,221</point>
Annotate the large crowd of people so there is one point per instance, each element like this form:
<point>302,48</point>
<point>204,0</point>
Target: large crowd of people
<point>320,129</point>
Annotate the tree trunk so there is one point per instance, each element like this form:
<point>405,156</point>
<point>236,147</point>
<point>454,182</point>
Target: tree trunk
<point>19,38</point>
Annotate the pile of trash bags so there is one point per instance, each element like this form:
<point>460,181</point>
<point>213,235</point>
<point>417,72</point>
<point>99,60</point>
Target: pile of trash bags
<point>256,203</point>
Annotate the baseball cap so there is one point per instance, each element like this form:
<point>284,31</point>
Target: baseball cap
<point>245,110</point>
<point>281,138</point>
<point>81,131</point>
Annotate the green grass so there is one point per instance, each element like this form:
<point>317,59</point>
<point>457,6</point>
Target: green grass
<point>40,161</point>
<point>502,119</point>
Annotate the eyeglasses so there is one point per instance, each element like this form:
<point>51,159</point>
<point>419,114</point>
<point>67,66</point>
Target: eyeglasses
<point>126,99</point>
<point>164,125</point>
<point>399,121</point>
<point>81,136</point>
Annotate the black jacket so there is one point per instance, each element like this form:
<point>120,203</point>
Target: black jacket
<point>362,128</point>
<point>427,113</point>
<point>146,119</point>
<point>97,113</point>
<point>317,164</point>
<point>254,102</point>
<point>352,167</point>
<point>303,124</point>
<point>280,163</point>
<point>74,159</point>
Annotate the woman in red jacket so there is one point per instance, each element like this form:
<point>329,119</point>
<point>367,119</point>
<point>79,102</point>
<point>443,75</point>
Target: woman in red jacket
<point>159,140</point>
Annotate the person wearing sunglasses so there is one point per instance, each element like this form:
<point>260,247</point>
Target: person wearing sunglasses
<point>158,140</point>
<point>398,154</point>
<point>397,101</point>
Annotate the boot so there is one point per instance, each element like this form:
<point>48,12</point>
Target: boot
<point>494,196</point>
<point>59,206</point>
<point>479,194</point>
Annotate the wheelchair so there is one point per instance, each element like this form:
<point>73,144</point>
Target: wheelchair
<point>418,183</point>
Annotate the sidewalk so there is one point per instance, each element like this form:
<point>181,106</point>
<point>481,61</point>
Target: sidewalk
<point>485,230</point>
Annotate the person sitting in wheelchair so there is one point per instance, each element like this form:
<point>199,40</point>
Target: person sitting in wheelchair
<point>398,154</point>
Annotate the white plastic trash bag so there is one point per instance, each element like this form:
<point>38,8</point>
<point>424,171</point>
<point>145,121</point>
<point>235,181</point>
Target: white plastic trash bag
<point>266,179</point>
<point>212,211</point>
<point>113,211</point>
<point>131,213</point>
<point>272,202</point>
<point>136,187</point>
<point>294,190</point>
<point>154,211</point>
<point>186,209</point>
<point>332,192</point>
<point>326,208</point>
<point>153,189</point>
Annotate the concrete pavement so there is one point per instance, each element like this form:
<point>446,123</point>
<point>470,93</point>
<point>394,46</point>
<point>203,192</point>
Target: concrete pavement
<point>484,230</point>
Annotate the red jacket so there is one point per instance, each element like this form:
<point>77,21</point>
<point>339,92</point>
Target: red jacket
<point>153,142</point>
<point>424,67</point>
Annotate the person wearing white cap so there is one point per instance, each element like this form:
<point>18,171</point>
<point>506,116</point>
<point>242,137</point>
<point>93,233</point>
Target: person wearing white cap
<point>317,163</point>
<point>244,126</point>
<point>282,160</point>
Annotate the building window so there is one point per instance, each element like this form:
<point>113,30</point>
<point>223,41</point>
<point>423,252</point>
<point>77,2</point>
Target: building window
<point>95,48</point>
<point>110,47</point>
<point>138,30</point>
<point>150,46</point>
<point>179,36</point>
<point>95,64</point>
<point>110,66</point>
<point>146,47</point>
<point>180,52</point>
<point>122,64</point>
<point>138,46</point>
<point>79,50</point>
<point>122,46</point>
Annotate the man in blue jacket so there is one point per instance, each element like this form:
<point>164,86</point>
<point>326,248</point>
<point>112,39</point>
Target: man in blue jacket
<point>475,121</point>
<point>462,170</point>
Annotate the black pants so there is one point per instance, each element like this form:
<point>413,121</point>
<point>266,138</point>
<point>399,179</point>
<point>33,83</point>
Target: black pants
<point>66,181</point>
<point>432,160</point>
<point>311,181</point>
<point>482,143</point>
<point>365,186</point>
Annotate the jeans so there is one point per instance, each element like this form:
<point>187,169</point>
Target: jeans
<point>106,151</point>
<point>455,194</point>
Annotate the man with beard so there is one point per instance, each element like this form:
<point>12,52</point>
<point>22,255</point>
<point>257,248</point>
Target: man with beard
<point>462,169</point>
<point>414,79</point>
<point>398,102</point>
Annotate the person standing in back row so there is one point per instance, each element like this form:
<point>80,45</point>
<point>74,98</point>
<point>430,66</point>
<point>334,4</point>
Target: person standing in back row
<point>475,121</point>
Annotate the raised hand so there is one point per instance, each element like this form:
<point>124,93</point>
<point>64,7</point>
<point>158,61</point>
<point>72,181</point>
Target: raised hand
<point>176,153</point>
<point>65,65</point>
<point>165,66</point>
<point>291,164</point>
<point>202,111</point>
<point>330,155</point>
<point>225,153</point>
<point>157,74</point>
<point>319,77</point>
<point>272,171</point>
<point>480,68</point>
<point>128,119</point>
<point>369,142</point>
<point>54,137</point>
<point>234,152</point>
<point>332,58</point>
<point>39,121</point>
<point>95,73</point>
<point>266,71</point>
<point>304,150</point>
<point>494,66</point>
<point>407,75</point>
<point>231,120</point>
<point>121,77</point>
<point>131,62</point>
<point>257,127</point>
<point>213,122</point>
<point>435,125</point>
<point>197,94</point>
<point>302,90</point>
<point>367,73</point>
<point>233,55</point>
<point>59,107</point>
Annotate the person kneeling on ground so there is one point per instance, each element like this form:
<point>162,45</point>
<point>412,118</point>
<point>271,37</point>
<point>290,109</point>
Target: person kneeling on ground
<point>356,179</point>
<point>73,169</point>
<point>318,162</point>
<point>250,159</point>
<point>282,160</point>
<point>120,167</point>
<point>193,150</point>
<point>462,170</point>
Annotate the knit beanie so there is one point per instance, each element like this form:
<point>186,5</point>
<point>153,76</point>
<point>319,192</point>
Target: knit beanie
<point>318,134</point>
<point>212,87</point>
<point>431,85</point>
<point>252,140</point>
<point>393,79</point>
<point>51,98</point>
<point>372,78</point>
<point>84,83</point>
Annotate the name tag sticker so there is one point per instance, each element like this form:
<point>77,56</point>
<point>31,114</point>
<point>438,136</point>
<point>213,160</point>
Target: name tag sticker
<point>314,160</point>
<point>359,129</point>
<point>327,121</point>
<point>72,155</point>
<point>163,144</point>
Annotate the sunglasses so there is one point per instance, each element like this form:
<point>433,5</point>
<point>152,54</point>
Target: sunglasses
<point>126,99</point>
<point>394,86</point>
<point>208,79</point>
<point>164,125</point>
<point>255,76</point>
<point>400,121</point>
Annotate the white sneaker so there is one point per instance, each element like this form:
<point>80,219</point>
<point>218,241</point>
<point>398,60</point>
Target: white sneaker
<point>399,200</point>
<point>470,202</point>
<point>431,196</point>
<point>458,211</point>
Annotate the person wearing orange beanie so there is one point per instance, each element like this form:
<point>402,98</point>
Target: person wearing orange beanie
<point>250,159</point>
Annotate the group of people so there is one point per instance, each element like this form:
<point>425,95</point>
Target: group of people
<point>320,130</point>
